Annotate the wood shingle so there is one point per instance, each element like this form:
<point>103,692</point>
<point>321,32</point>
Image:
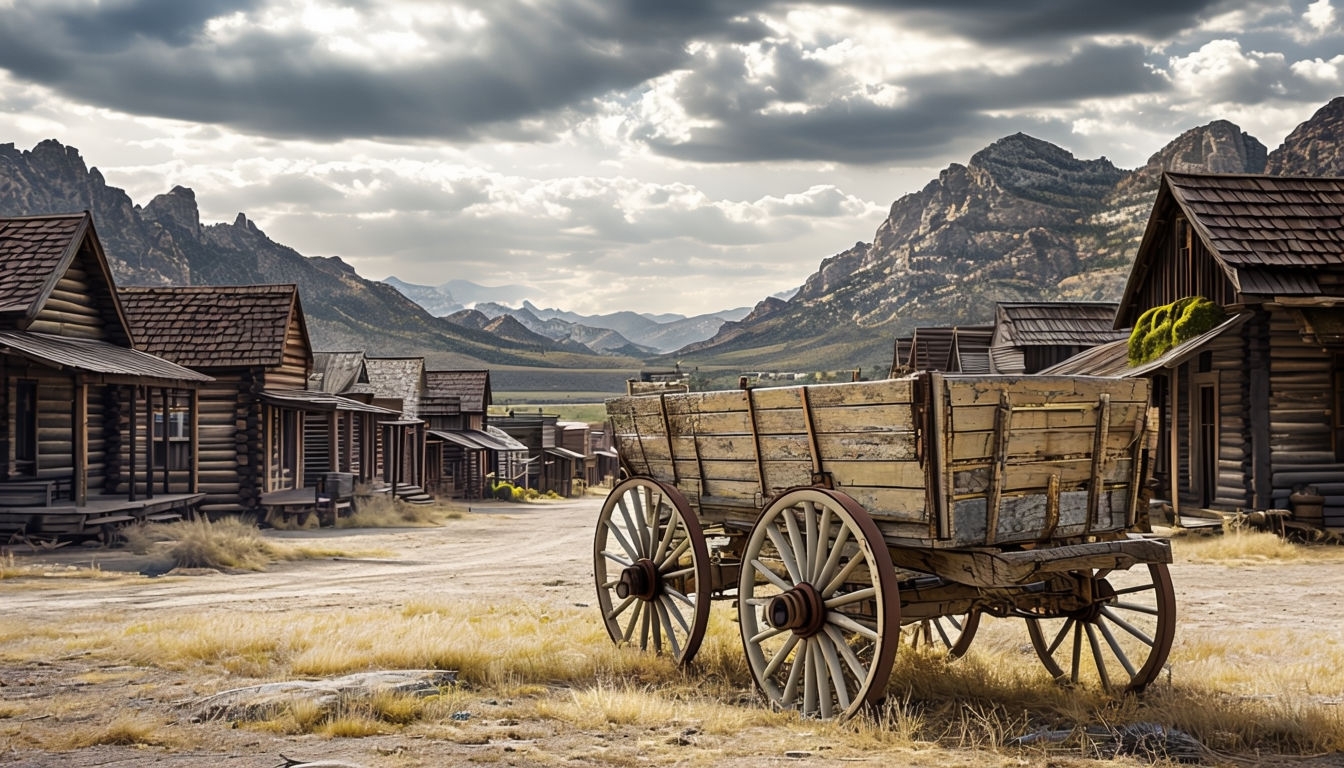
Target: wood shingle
<point>214,326</point>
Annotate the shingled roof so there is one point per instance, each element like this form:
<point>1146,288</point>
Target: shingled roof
<point>1271,235</point>
<point>397,378</point>
<point>339,373</point>
<point>37,251</point>
<point>213,326</point>
<point>472,388</point>
<point>1056,323</point>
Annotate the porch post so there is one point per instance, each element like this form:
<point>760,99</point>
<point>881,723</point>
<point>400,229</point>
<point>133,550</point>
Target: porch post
<point>149,441</point>
<point>194,473</point>
<point>1174,451</point>
<point>135,432</point>
<point>333,442</point>
<point>79,485</point>
<point>163,398</point>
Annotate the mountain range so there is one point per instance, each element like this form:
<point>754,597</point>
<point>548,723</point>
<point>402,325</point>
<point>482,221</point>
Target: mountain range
<point>1023,219</point>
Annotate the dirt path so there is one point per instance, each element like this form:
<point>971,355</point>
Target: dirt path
<point>504,553</point>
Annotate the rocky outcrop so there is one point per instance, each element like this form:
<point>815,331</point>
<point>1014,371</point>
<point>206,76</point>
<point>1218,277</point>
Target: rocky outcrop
<point>1313,148</point>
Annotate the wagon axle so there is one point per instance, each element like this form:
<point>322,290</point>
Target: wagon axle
<point>640,580</point>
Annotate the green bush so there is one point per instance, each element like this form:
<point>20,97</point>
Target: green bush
<point>504,491</point>
<point>1161,328</point>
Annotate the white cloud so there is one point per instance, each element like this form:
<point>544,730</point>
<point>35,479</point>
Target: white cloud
<point>1320,15</point>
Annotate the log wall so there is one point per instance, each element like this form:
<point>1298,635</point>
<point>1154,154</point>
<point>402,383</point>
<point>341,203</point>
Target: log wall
<point>1300,438</point>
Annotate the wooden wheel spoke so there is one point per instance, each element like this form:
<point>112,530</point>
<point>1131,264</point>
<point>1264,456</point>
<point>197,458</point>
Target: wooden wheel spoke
<point>785,555</point>
<point>823,677</point>
<point>844,622</point>
<point>810,681</point>
<point>1077,650</point>
<point>1116,649</point>
<point>675,613</point>
<point>1142,636</point>
<point>852,660</point>
<point>780,656</point>
<point>620,539</point>
<point>797,546</point>
<point>618,610</point>
<point>833,559</point>
<point>840,578</point>
<point>771,576</point>
<point>1150,610</point>
<point>667,627</point>
<point>836,673</point>
<point>822,551</point>
<point>665,541</point>
<point>615,558</point>
<point>811,543</point>
<point>674,556</point>
<point>1096,656</point>
<point>856,596</point>
<point>1059,638</point>
<point>678,595</point>
<point>942,631</point>
<point>790,694</point>
<point>634,620</point>
<point>656,625</point>
<point>687,571</point>
<point>1136,589</point>
<point>644,627</point>
<point>766,634</point>
<point>621,503</point>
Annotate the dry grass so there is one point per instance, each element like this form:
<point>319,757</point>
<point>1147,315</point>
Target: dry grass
<point>554,670</point>
<point>11,568</point>
<point>383,511</point>
<point>1238,546</point>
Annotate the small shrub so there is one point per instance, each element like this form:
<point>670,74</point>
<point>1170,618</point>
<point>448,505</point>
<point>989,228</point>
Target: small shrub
<point>228,542</point>
<point>1163,327</point>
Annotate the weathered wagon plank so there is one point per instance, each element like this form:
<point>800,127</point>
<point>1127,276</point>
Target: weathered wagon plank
<point>981,417</point>
<point>1070,473</point>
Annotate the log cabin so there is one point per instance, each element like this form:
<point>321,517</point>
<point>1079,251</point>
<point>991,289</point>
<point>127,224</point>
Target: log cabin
<point>464,452</point>
<point>1031,336</point>
<point>1249,414</point>
<point>397,384</point>
<point>256,413</point>
<point>94,433</point>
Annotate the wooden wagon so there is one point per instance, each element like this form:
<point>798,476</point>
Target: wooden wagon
<point>843,517</point>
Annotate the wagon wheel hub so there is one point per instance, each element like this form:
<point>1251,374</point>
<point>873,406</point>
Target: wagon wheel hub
<point>800,609</point>
<point>1102,595</point>
<point>640,580</point>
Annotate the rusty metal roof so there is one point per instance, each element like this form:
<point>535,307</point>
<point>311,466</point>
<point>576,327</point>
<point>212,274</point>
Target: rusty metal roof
<point>214,326</point>
<point>307,400</point>
<point>93,356</point>
<point>472,388</point>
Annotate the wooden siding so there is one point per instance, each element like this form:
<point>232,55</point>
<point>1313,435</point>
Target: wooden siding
<point>1182,267</point>
<point>68,311</point>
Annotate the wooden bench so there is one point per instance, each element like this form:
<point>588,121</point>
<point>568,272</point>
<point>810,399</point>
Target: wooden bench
<point>27,493</point>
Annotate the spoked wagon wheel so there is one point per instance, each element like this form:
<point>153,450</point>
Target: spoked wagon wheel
<point>652,569</point>
<point>950,634</point>
<point>818,605</point>
<point>1122,638</point>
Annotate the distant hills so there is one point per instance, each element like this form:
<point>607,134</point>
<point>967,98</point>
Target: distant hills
<point>1023,219</point>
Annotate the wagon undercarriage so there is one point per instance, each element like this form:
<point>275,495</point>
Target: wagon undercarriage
<point>826,589</point>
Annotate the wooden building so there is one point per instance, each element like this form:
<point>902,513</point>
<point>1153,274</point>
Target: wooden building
<point>1031,336</point>
<point>465,452</point>
<point>951,349</point>
<point>94,432</point>
<point>398,383</point>
<point>256,413</point>
<point>1252,411</point>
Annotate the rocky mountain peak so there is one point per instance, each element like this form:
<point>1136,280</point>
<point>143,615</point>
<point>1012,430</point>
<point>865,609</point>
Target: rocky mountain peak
<point>1313,148</point>
<point>177,208</point>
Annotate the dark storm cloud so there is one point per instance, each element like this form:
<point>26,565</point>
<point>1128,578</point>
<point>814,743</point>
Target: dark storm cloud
<point>851,128</point>
<point>534,69</point>
<point>999,21</point>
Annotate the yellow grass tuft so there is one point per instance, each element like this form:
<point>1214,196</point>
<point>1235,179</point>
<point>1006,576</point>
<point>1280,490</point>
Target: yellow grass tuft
<point>383,511</point>
<point>132,729</point>
<point>1236,546</point>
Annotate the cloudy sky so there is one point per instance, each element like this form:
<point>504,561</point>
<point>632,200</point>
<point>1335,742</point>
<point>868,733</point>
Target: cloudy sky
<point>656,155</point>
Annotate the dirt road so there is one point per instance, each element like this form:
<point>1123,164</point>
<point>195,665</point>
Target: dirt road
<point>505,552</point>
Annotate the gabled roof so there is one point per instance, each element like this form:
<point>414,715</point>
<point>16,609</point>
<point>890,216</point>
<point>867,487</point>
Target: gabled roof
<point>339,373</point>
<point>1271,235</point>
<point>1055,323</point>
<point>95,357</point>
<point>472,388</point>
<point>36,252</point>
<point>215,326</point>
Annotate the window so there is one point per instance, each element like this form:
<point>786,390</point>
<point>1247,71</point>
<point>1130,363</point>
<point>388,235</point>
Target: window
<point>25,427</point>
<point>178,448</point>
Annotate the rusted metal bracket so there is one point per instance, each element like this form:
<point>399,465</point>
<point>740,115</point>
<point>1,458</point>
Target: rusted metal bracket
<point>756,441</point>
<point>667,433</point>
<point>820,477</point>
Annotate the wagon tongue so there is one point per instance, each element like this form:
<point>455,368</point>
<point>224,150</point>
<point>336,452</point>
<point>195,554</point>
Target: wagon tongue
<point>639,580</point>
